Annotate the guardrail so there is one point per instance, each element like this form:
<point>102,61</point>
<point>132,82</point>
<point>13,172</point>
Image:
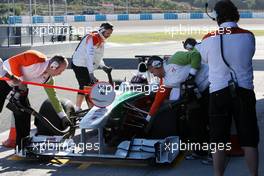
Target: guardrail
<point>18,35</point>
<point>118,17</point>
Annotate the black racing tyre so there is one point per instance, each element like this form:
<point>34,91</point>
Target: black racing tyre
<point>48,112</point>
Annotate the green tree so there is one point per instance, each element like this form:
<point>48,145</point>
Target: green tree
<point>250,3</point>
<point>199,3</point>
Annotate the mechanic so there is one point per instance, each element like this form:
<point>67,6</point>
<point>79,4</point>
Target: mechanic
<point>202,135</point>
<point>189,44</point>
<point>229,52</point>
<point>31,66</point>
<point>87,57</point>
<point>181,67</point>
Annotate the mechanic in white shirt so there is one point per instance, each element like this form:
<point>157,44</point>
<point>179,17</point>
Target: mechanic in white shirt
<point>33,66</point>
<point>231,87</point>
<point>180,67</point>
<point>88,57</point>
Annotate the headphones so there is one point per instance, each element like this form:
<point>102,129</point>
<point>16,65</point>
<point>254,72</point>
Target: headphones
<point>189,43</point>
<point>56,61</point>
<point>206,11</point>
<point>102,29</point>
<point>217,13</point>
<point>101,33</point>
<point>54,65</point>
<point>105,26</point>
<point>142,67</point>
<point>155,62</point>
<point>188,46</point>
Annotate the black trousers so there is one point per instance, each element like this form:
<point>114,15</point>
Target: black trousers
<point>198,122</point>
<point>22,119</point>
<point>222,108</point>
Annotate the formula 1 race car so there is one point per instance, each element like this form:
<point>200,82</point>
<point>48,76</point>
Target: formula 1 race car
<point>117,132</point>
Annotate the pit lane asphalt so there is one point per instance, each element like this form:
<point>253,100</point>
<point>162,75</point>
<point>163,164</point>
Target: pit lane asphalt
<point>11,166</point>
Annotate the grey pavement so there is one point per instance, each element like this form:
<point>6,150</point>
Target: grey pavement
<point>11,166</point>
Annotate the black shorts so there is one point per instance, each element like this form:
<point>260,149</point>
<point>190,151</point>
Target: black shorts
<point>82,75</point>
<point>222,107</point>
<point>4,89</point>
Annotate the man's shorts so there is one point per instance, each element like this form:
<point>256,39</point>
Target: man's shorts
<point>222,107</point>
<point>82,75</point>
<point>4,89</point>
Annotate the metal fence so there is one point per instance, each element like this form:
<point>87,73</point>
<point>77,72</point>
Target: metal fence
<point>19,35</point>
<point>118,17</point>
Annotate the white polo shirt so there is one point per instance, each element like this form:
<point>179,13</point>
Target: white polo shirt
<point>90,52</point>
<point>2,71</point>
<point>238,48</point>
<point>176,74</point>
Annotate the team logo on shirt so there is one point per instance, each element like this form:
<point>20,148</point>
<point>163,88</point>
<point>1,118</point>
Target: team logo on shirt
<point>173,69</point>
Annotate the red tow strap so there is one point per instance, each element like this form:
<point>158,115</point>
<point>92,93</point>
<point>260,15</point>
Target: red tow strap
<point>86,91</point>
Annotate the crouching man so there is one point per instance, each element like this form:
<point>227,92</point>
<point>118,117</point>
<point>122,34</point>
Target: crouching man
<point>183,67</point>
<point>32,66</point>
